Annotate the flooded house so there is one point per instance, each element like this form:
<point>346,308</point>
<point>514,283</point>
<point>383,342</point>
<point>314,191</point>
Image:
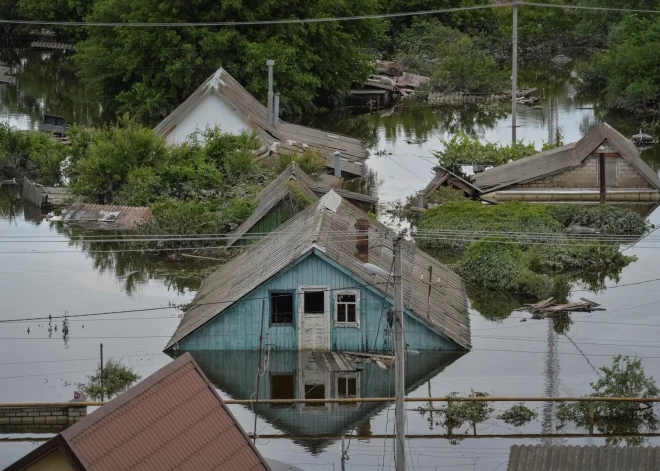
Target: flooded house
<point>305,375</point>
<point>603,166</point>
<point>174,419</point>
<point>290,192</point>
<point>221,101</point>
<point>106,217</point>
<point>304,287</point>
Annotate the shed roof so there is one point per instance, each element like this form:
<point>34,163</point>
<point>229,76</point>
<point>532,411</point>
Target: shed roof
<point>286,137</point>
<point>583,458</point>
<point>173,420</point>
<point>562,158</point>
<point>329,227</point>
<point>278,190</point>
<point>103,216</point>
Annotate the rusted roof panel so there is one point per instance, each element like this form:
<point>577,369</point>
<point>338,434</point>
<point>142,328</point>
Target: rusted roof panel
<point>331,229</point>
<point>101,216</point>
<point>173,420</point>
<point>583,458</point>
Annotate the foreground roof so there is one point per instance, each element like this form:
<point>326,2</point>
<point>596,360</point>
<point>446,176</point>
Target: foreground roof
<point>583,458</point>
<point>280,188</point>
<point>329,227</point>
<point>173,420</point>
<point>561,158</point>
<point>286,137</point>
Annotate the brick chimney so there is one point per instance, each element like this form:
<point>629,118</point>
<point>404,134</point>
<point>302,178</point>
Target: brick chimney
<point>362,239</point>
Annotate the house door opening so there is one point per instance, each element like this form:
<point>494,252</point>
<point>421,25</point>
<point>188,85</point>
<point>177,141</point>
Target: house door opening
<point>314,324</point>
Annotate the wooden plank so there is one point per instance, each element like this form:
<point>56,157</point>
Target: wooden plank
<point>595,304</point>
<point>340,362</point>
<point>381,364</point>
<point>370,355</point>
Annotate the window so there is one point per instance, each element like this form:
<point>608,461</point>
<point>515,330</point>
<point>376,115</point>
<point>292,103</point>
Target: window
<point>281,308</point>
<point>315,391</point>
<point>347,388</point>
<point>314,302</point>
<point>282,386</point>
<point>346,309</point>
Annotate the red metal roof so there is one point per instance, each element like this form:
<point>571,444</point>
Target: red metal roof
<point>173,420</point>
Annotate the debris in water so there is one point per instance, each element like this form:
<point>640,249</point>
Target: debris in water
<point>549,308</point>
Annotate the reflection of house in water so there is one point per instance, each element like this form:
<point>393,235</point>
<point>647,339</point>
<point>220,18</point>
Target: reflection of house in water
<point>296,375</point>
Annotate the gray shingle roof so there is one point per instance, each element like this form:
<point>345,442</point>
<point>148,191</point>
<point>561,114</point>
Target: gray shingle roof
<point>583,458</point>
<point>286,137</point>
<point>329,226</point>
<point>277,190</point>
<point>562,158</point>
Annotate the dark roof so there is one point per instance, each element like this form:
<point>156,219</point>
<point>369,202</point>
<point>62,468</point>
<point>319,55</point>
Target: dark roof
<point>583,458</point>
<point>441,175</point>
<point>316,228</point>
<point>559,159</point>
<point>173,420</point>
<point>279,189</point>
<point>102,216</point>
<point>286,137</point>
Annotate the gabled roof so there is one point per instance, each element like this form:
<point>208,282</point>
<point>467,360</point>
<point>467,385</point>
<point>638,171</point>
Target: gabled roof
<point>583,458</point>
<point>103,216</point>
<point>561,158</point>
<point>173,420</point>
<point>279,189</point>
<point>329,227</point>
<point>286,137</point>
<point>442,175</point>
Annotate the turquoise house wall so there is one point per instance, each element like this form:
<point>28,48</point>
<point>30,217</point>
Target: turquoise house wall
<point>238,328</point>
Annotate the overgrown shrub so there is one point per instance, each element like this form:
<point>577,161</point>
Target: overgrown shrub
<point>518,415</point>
<point>444,194</point>
<point>463,149</point>
<point>117,378</point>
<point>606,219</point>
<point>311,162</point>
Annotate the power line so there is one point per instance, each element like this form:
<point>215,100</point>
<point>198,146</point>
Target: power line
<point>258,23</point>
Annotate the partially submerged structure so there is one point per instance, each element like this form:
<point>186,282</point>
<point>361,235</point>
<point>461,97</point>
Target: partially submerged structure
<point>221,101</point>
<point>174,420</point>
<point>304,286</point>
<point>283,198</point>
<point>603,166</point>
<point>43,196</point>
<point>106,217</point>
<point>583,458</point>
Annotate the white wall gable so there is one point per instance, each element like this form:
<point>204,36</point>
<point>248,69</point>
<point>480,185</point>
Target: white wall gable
<point>211,111</point>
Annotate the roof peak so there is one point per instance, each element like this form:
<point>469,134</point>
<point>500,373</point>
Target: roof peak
<point>329,201</point>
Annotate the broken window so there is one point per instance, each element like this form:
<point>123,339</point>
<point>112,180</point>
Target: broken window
<point>281,308</point>
<point>314,302</point>
<point>347,388</point>
<point>346,309</point>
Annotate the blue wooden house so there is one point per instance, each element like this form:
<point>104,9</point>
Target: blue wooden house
<point>304,287</point>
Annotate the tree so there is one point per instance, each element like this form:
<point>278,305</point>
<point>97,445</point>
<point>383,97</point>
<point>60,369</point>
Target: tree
<point>117,378</point>
<point>149,71</point>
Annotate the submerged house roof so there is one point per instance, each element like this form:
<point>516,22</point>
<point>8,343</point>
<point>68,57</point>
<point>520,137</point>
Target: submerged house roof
<point>173,420</point>
<point>561,158</point>
<point>583,458</point>
<point>281,188</point>
<point>329,227</point>
<point>442,175</point>
<point>285,137</point>
<point>102,216</point>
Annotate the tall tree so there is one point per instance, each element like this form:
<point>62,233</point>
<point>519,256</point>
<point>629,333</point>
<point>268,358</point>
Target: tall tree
<point>148,71</point>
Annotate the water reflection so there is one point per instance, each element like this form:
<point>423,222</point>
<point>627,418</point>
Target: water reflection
<point>292,375</point>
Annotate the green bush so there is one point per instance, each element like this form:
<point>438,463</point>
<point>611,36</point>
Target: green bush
<point>311,162</point>
<point>606,219</point>
<point>464,149</point>
<point>445,194</point>
<point>117,378</point>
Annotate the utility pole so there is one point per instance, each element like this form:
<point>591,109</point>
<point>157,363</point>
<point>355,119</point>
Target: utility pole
<point>514,73</point>
<point>343,454</point>
<point>101,372</point>
<point>261,341</point>
<point>399,360</point>
<point>270,63</point>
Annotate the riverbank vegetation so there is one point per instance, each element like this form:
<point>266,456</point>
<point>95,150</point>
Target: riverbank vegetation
<point>503,250</point>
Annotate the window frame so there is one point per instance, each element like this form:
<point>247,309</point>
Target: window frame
<point>351,292</point>
<point>293,308</point>
<point>348,376</point>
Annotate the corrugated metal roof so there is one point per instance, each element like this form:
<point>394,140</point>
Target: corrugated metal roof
<point>278,190</point>
<point>285,137</point>
<point>583,458</point>
<point>173,420</point>
<point>317,227</point>
<point>562,158</point>
<point>101,216</point>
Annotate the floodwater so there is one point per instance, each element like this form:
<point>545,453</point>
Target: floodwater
<point>510,357</point>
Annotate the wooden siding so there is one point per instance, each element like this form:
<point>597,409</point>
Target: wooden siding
<point>238,327</point>
<point>267,224</point>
